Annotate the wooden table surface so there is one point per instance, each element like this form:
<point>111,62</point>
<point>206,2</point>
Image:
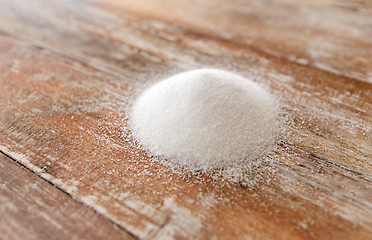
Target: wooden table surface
<point>69,168</point>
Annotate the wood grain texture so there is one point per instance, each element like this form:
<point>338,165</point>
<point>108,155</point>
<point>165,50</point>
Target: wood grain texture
<point>67,123</point>
<point>31,208</point>
<point>315,33</point>
<point>329,115</point>
<point>67,79</point>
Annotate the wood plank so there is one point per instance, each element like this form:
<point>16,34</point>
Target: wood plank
<point>31,208</point>
<point>36,76</point>
<point>95,50</point>
<point>315,33</point>
<point>329,115</point>
<point>66,122</point>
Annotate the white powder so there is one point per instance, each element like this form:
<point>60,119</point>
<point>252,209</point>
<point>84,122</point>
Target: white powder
<point>206,119</point>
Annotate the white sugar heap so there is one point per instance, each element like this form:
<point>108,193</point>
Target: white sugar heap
<point>206,119</point>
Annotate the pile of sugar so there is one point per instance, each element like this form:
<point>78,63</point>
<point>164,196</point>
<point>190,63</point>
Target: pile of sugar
<point>205,119</point>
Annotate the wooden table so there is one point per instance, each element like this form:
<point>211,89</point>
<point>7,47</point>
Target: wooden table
<point>69,168</point>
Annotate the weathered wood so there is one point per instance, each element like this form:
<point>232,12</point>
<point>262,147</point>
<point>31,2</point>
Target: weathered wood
<point>332,35</point>
<point>66,122</point>
<point>31,208</point>
<point>329,115</point>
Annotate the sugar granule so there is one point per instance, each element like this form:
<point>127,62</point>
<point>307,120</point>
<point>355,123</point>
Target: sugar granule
<point>206,119</point>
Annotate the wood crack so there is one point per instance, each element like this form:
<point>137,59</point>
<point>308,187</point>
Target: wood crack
<point>69,195</point>
<point>162,226</point>
<point>327,161</point>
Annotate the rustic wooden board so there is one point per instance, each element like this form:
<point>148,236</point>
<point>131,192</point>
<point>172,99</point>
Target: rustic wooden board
<point>66,122</point>
<point>329,114</point>
<point>31,208</point>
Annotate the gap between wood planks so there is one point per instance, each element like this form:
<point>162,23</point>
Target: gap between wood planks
<point>72,59</point>
<point>69,195</point>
